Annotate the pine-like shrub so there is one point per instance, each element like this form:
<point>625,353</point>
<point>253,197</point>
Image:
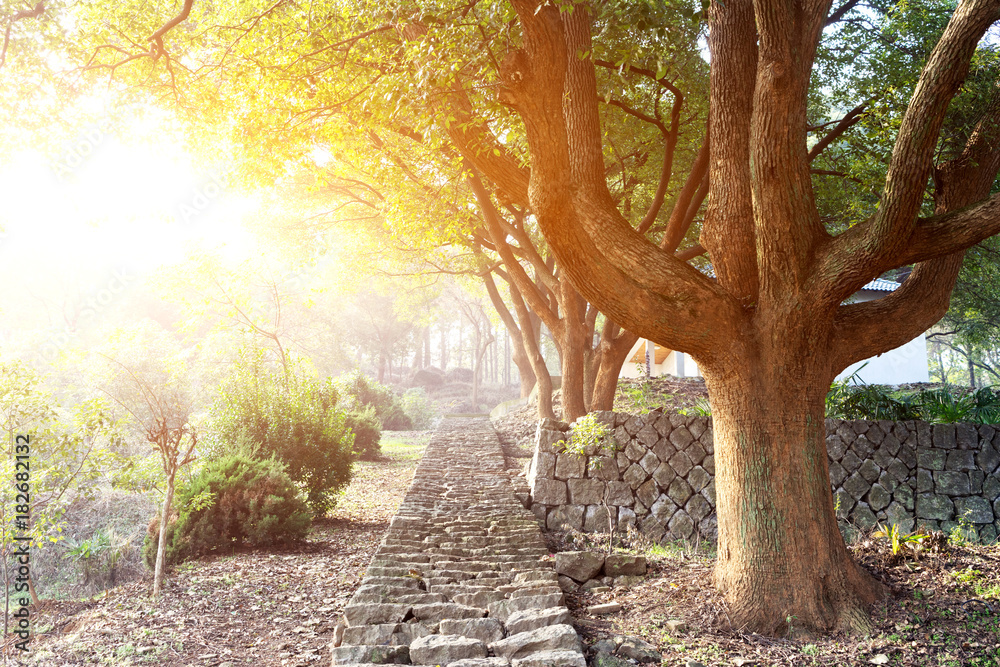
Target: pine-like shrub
<point>296,419</point>
<point>367,433</point>
<point>233,500</point>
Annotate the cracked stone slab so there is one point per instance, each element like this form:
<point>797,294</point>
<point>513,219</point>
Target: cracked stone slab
<point>549,638</point>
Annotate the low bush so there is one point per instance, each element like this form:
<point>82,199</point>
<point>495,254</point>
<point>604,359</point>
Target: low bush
<point>419,407</point>
<point>234,500</point>
<point>367,431</point>
<point>939,406</point>
<point>360,391</point>
<point>294,418</point>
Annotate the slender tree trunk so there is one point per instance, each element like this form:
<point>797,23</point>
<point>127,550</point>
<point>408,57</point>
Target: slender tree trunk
<point>533,352</point>
<point>161,548</point>
<point>572,344</point>
<point>573,404</point>
<point>615,345</point>
<point>972,373</point>
<point>427,347</point>
<point>782,563</point>
<point>418,354</point>
<point>32,591</point>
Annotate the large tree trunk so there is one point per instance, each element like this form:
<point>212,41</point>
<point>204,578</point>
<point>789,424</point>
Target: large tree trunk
<point>782,563</point>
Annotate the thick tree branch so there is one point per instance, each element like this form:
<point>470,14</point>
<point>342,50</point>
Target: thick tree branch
<point>839,13</point>
<point>870,248</point>
<point>630,279</point>
<point>938,244</point>
<point>37,11</point>
<point>728,229</point>
<point>157,37</point>
<point>944,234</point>
<point>680,221</point>
<point>528,289</point>
<point>477,144</point>
<point>863,330</point>
<point>690,253</point>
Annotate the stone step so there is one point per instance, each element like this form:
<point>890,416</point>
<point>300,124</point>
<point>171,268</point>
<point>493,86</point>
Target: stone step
<point>461,577</point>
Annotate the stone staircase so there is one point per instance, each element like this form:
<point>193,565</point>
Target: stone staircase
<point>461,578</point>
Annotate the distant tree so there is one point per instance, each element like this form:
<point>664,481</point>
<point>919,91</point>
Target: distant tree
<point>473,313</point>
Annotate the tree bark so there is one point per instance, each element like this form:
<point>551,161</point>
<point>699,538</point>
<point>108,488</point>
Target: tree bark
<point>533,350</point>
<point>782,564</point>
<point>770,332</point>
<point>572,343</point>
<point>611,354</point>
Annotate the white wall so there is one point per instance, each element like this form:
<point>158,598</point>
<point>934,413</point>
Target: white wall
<point>907,363</point>
<point>678,364</point>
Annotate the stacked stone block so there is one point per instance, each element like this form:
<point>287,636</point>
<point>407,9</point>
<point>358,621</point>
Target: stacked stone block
<point>913,473</point>
<point>658,474</point>
<point>461,578</point>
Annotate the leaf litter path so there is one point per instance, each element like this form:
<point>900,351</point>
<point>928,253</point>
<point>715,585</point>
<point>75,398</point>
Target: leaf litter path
<point>275,607</point>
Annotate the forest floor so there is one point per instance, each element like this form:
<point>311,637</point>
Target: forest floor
<point>261,607</point>
<point>279,607</point>
<point>942,610</point>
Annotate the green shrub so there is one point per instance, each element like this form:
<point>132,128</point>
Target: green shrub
<point>419,408</point>
<point>234,500</point>
<point>938,406</point>
<point>294,418</point>
<point>367,433</point>
<point>870,402</point>
<point>361,392</point>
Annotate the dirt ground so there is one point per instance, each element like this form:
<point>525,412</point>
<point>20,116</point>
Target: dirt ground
<point>274,607</point>
<point>943,609</point>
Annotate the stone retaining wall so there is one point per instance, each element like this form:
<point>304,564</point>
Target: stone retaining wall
<point>462,577</point>
<point>659,476</point>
